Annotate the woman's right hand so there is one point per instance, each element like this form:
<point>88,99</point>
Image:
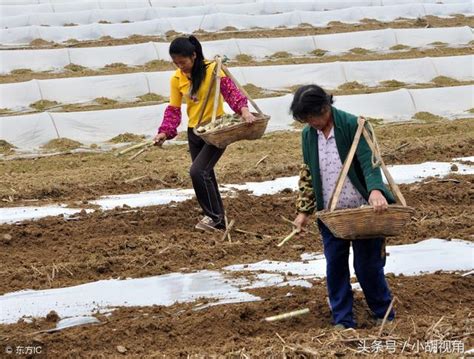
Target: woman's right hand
<point>159,139</point>
<point>301,221</point>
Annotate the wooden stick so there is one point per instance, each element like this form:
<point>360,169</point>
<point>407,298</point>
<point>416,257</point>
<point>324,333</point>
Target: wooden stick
<point>234,80</point>
<point>56,269</point>
<point>443,181</point>
<point>135,179</point>
<point>206,99</point>
<point>67,270</point>
<point>287,220</point>
<point>36,269</point>
<point>292,314</point>
<point>345,169</point>
<point>287,238</point>
<point>281,339</point>
<point>135,147</point>
<point>229,226</point>
<point>252,233</point>
<point>401,146</point>
<point>226,226</point>
<point>143,266</point>
<point>421,142</point>
<point>227,230</point>
<point>431,329</point>
<point>386,315</point>
<point>164,250</point>
<point>414,325</point>
<point>139,153</point>
<point>164,183</point>
<point>393,329</point>
<point>390,179</point>
<point>303,229</point>
<point>391,152</point>
<point>217,93</point>
<point>261,160</point>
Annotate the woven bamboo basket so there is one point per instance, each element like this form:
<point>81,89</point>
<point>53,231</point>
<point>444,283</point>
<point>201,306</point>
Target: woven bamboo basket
<point>223,137</point>
<point>364,222</point>
<point>361,223</point>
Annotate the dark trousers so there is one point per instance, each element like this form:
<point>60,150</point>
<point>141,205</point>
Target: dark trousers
<point>202,174</point>
<point>369,261</point>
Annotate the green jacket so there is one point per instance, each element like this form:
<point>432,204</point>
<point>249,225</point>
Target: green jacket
<point>361,174</point>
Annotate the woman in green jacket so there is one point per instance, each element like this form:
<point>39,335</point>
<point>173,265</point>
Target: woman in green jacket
<point>326,141</point>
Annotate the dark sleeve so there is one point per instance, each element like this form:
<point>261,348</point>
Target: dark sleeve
<point>372,174</point>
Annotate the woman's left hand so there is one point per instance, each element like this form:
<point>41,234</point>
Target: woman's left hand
<point>247,115</point>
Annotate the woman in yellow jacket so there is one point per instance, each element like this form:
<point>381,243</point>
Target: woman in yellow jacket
<point>191,81</point>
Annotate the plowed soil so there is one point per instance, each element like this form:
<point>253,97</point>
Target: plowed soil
<point>75,178</point>
<point>162,239</point>
<point>430,307</point>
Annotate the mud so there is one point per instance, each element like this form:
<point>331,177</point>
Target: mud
<point>86,176</point>
<point>162,239</point>
<point>43,105</point>
<point>126,137</point>
<point>61,144</point>
<point>6,147</point>
<point>239,330</point>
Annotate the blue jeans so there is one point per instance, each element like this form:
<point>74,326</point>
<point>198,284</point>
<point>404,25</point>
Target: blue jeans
<point>369,261</point>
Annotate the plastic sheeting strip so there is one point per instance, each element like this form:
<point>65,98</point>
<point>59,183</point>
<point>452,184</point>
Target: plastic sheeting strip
<point>31,131</point>
<point>218,21</point>
<point>124,3</point>
<point>328,75</point>
<point>250,8</point>
<point>138,54</point>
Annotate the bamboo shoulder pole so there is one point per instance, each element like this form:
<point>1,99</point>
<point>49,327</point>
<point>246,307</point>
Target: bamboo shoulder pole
<point>241,88</point>
<point>385,170</point>
<point>218,87</point>
<point>345,168</point>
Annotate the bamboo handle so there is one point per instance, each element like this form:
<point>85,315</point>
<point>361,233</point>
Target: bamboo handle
<point>218,86</point>
<point>227,72</point>
<point>391,181</point>
<point>345,168</point>
<point>206,100</point>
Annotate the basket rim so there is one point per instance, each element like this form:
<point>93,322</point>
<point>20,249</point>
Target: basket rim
<point>360,210</point>
<point>258,120</point>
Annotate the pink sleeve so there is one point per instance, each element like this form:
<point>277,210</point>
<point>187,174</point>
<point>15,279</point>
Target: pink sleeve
<point>171,121</point>
<point>232,95</point>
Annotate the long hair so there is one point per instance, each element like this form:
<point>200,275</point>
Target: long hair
<point>309,100</point>
<point>186,46</point>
